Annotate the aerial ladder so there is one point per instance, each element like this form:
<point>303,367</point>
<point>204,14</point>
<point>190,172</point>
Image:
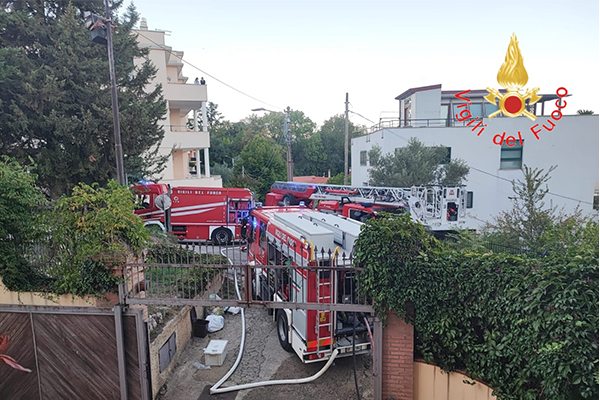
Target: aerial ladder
<point>439,207</point>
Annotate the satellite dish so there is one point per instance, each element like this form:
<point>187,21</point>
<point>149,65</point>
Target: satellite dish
<point>163,201</point>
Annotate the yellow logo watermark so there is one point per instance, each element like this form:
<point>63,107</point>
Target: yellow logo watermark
<point>512,76</point>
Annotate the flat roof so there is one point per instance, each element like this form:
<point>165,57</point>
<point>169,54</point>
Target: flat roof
<point>418,89</point>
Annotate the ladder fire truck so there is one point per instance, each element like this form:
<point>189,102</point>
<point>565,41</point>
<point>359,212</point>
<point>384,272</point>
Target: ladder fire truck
<point>440,208</point>
<point>296,236</point>
<point>196,213</point>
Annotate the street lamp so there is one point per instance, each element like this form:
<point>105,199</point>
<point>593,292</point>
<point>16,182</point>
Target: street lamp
<point>288,140</point>
<point>101,27</point>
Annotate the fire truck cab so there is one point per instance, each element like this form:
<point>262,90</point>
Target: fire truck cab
<point>196,213</point>
<point>298,236</point>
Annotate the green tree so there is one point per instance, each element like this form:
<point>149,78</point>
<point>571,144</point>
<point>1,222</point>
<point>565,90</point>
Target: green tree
<point>214,118</point>
<point>309,155</point>
<point>333,136</point>
<point>532,224</point>
<point>20,202</point>
<point>415,164</point>
<point>338,179</point>
<point>261,163</point>
<point>55,101</point>
<point>585,112</point>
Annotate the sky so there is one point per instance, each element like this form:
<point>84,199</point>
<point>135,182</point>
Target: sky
<point>308,54</point>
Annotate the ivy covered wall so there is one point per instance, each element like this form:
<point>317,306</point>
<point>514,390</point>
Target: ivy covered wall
<point>527,327</point>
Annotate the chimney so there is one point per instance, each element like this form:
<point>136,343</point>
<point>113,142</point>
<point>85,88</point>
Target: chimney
<point>329,173</point>
<point>144,24</point>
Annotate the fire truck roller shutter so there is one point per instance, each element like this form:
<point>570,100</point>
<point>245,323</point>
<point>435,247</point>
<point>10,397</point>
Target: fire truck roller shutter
<point>221,236</point>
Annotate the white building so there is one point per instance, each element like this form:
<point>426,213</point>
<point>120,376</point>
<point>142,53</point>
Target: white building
<point>189,163</point>
<point>430,115</point>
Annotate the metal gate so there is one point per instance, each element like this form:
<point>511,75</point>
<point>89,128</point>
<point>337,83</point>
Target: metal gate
<point>207,275</point>
<point>211,276</point>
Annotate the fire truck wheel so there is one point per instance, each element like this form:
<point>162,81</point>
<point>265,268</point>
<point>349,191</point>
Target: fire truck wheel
<point>282,331</point>
<point>221,237</point>
<point>289,200</point>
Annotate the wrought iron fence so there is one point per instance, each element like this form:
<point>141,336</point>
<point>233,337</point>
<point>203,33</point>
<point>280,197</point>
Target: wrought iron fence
<point>502,248</point>
<point>222,276</point>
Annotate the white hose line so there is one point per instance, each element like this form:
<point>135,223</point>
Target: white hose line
<point>216,387</point>
<point>279,382</point>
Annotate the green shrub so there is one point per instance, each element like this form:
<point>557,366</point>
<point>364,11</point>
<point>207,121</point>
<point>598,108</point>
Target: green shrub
<point>528,327</point>
<point>20,202</point>
<point>92,230</point>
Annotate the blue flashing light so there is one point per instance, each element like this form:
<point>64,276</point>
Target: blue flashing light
<point>144,182</point>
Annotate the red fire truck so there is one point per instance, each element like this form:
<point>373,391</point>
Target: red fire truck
<point>440,208</point>
<point>196,213</point>
<point>297,236</point>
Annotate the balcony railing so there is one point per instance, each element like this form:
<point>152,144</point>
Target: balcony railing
<point>181,92</point>
<point>417,123</point>
<point>425,123</point>
<point>180,128</point>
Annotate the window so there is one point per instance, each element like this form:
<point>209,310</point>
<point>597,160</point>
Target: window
<point>511,157</point>
<point>445,117</point>
<point>262,240</point>
<point>476,110</point>
<point>595,203</point>
<point>469,199</point>
<point>167,352</point>
<point>490,108</point>
<point>448,156</point>
<point>363,157</point>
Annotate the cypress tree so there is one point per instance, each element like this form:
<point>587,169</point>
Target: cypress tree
<point>55,100</point>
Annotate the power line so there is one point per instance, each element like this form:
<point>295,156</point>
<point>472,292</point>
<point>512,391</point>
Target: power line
<point>206,73</point>
<point>479,170</point>
<point>512,181</point>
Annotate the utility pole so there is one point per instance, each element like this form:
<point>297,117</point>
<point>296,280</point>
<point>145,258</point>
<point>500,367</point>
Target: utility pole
<point>115,101</point>
<point>101,33</point>
<point>288,139</point>
<point>346,144</point>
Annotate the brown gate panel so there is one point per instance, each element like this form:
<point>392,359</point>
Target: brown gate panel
<point>134,387</point>
<point>77,356</point>
<point>14,384</point>
<point>72,353</point>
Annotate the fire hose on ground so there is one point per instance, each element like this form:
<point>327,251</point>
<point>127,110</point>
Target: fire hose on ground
<point>215,389</point>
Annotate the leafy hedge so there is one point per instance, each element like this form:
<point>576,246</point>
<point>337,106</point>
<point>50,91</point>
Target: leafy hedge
<point>67,247</point>
<point>20,201</point>
<point>527,327</point>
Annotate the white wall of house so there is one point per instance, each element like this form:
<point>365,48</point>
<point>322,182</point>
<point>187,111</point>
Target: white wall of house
<point>426,105</point>
<point>572,146</point>
<point>182,143</point>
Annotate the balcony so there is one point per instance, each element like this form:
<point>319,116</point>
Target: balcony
<point>184,96</point>
<point>180,137</point>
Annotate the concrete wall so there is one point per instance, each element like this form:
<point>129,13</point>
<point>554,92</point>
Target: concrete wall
<point>431,383</point>
<point>46,299</point>
<point>398,347</point>
<point>572,146</point>
<point>182,325</point>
